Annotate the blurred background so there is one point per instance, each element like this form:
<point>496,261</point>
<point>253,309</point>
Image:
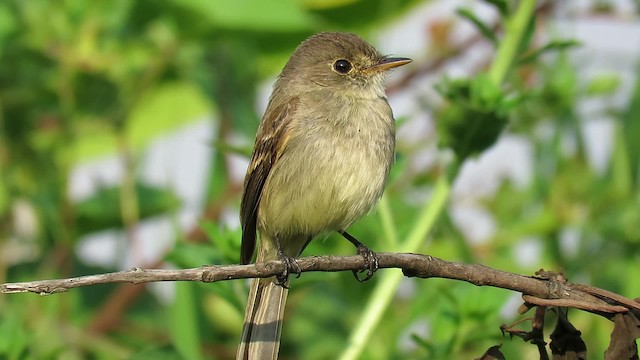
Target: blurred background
<point>125,130</point>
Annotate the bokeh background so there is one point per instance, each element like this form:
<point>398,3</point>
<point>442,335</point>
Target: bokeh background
<point>125,128</point>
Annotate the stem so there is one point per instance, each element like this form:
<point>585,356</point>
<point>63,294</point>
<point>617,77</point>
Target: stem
<point>129,206</point>
<point>388,223</point>
<point>510,44</point>
<point>386,289</point>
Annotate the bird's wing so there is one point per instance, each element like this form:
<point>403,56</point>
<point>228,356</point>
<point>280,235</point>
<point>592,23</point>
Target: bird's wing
<point>271,142</point>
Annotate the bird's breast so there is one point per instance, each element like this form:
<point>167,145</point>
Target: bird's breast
<point>333,171</point>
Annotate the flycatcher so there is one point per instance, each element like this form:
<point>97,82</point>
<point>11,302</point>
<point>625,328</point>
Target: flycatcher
<point>320,162</point>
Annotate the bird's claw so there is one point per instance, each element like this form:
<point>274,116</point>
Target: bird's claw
<point>371,261</point>
<point>290,266</point>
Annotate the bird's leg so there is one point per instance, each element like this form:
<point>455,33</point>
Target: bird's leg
<point>370,257</point>
<point>290,266</point>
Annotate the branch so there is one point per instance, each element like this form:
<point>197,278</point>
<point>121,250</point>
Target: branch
<point>546,289</point>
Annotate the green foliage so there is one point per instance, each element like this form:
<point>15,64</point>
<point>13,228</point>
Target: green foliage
<point>104,209</point>
<point>184,322</point>
<point>630,128</point>
<point>501,5</point>
<point>484,29</point>
<point>84,79</point>
<point>554,45</point>
<point>478,117</point>
<point>286,15</point>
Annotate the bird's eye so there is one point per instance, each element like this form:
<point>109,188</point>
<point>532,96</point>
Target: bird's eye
<point>342,66</point>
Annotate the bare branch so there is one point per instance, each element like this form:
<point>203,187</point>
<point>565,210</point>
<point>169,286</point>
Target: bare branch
<point>554,290</point>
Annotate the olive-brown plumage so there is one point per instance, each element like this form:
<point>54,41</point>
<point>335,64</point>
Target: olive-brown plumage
<point>320,161</point>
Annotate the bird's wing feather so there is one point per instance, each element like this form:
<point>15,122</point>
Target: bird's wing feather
<point>271,142</point>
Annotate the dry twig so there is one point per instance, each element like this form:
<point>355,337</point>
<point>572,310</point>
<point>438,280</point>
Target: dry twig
<point>554,291</point>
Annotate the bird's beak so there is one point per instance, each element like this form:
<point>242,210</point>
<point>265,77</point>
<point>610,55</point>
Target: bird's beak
<point>387,63</point>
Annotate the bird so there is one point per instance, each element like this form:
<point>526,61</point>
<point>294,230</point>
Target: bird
<point>321,160</point>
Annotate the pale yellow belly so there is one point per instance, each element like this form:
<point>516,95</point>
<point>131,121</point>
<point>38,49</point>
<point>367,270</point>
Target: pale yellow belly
<point>327,191</point>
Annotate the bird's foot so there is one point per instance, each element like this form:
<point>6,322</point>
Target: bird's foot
<point>290,266</point>
<point>370,258</point>
<point>371,261</point>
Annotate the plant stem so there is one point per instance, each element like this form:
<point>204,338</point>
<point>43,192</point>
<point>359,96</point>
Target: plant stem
<point>510,44</point>
<point>388,225</point>
<point>386,288</point>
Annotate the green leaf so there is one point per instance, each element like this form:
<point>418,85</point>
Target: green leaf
<point>479,24</point>
<point>103,211</point>
<point>224,310</point>
<point>157,354</point>
<point>184,322</point>
<point>14,340</point>
<point>556,45</point>
<point>166,108</point>
<point>226,240</point>
<point>7,23</point>
<point>631,129</point>
<point>326,4</point>
<point>620,172</point>
<point>4,199</point>
<point>189,255</point>
<point>255,15</point>
<point>501,5</point>
<point>161,110</point>
<point>605,84</point>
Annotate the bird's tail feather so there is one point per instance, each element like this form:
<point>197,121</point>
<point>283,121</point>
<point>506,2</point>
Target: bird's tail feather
<point>263,320</point>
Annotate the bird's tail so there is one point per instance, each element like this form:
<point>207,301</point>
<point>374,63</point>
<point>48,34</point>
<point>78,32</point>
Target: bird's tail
<point>262,320</point>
